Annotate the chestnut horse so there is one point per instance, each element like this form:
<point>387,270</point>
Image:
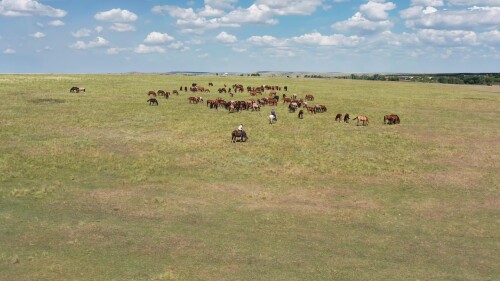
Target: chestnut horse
<point>363,119</point>
<point>391,119</point>
<point>237,135</point>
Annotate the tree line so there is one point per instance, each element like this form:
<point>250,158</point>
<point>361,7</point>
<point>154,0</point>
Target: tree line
<point>446,78</point>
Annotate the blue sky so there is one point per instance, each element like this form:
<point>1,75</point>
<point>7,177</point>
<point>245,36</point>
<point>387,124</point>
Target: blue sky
<point>95,36</point>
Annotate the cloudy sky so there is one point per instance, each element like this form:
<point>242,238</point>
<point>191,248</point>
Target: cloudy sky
<point>95,36</point>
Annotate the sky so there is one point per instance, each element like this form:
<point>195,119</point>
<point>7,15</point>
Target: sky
<point>246,36</point>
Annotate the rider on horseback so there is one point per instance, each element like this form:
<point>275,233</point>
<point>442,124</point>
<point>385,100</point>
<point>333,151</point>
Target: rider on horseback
<point>274,114</point>
<point>243,133</point>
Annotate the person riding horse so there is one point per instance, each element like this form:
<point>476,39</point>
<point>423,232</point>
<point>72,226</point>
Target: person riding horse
<point>274,114</point>
<point>243,133</point>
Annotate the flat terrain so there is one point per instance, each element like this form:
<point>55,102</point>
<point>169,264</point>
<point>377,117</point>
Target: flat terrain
<point>101,186</point>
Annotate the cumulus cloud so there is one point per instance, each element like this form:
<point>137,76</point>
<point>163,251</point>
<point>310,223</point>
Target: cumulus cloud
<point>317,38</point>
<point>213,15</point>
<point>360,25</point>
<point>428,3</point>
<point>98,42</point>
<point>291,7</point>
<point>9,51</point>
<point>225,37</point>
<point>99,29</point>
<point>266,40</point>
<point>474,2</point>
<point>56,23</point>
<point>376,11</point>
<point>144,49</point>
<point>116,15</point>
<point>15,8</point>
<point>38,35</point>
<point>448,37</point>
<point>84,32</point>
<point>221,4</point>
<point>475,17</point>
<point>490,37</point>
<point>122,27</point>
<point>158,38</point>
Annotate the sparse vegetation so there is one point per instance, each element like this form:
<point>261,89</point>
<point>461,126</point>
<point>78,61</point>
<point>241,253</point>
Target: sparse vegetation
<point>102,186</point>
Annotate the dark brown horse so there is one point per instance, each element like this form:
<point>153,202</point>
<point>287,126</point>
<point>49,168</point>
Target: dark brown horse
<point>152,101</point>
<point>391,119</point>
<point>238,136</point>
<point>338,117</point>
<point>301,114</point>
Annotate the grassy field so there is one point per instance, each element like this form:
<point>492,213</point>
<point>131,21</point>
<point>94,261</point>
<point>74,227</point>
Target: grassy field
<point>102,186</point>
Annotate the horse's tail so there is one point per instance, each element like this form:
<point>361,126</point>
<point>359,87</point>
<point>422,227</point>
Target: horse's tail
<point>355,118</point>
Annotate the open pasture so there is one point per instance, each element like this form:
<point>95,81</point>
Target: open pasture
<point>102,186</point>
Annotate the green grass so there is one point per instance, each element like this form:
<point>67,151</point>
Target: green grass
<point>101,186</point>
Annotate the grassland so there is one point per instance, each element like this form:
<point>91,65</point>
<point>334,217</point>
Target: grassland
<point>101,186</point>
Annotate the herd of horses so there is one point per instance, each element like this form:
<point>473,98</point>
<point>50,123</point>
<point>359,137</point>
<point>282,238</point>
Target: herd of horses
<point>255,104</point>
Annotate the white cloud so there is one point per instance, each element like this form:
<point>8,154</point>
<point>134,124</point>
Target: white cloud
<point>208,11</point>
<point>474,2</point>
<point>360,25</point>
<point>291,7</point>
<point>323,40</point>
<point>38,35</point>
<point>428,3</point>
<point>448,37</point>
<point>122,27</point>
<point>255,14</point>
<point>116,15</point>
<point>225,37</point>
<point>221,4</point>
<point>99,29</point>
<point>15,8</point>
<point>96,43</point>
<point>490,37</point>
<point>84,32</point>
<point>56,23</point>
<point>9,51</point>
<point>375,11</point>
<point>475,17</point>
<point>266,40</point>
<point>144,49</point>
<point>158,38</point>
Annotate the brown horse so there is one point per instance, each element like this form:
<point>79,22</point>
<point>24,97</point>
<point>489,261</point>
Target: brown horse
<point>238,136</point>
<point>301,114</point>
<point>338,117</point>
<point>391,119</point>
<point>363,119</point>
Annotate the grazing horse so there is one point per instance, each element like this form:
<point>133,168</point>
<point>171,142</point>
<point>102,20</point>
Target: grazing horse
<point>338,118</point>
<point>301,114</point>
<point>292,107</point>
<point>74,90</point>
<point>152,101</point>
<point>391,119</point>
<point>363,119</point>
<point>237,135</point>
<point>152,93</point>
<point>309,97</point>
<point>272,119</point>
<point>346,118</point>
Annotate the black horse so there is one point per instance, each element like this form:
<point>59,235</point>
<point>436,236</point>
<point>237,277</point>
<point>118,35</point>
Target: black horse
<point>239,136</point>
<point>74,90</point>
<point>152,101</point>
